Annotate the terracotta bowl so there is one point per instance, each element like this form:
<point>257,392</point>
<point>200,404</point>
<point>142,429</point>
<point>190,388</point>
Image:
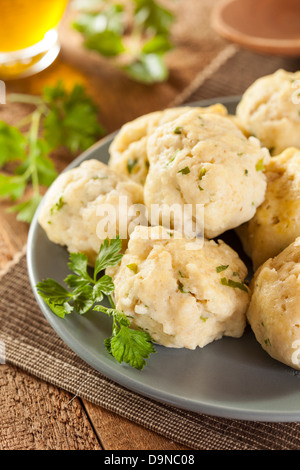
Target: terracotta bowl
<point>266,26</point>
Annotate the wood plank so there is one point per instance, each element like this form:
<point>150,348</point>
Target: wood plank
<point>38,416</point>
<point>118,433</point>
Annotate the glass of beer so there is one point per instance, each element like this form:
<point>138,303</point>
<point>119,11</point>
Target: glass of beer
<point>28,35</point>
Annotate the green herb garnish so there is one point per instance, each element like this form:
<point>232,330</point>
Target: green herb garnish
<point>234,284</point>
<point>133,267</point>
<point>59,118</point>
<point>133,36</point>
<point>60,203</point>
<point>172,158</point>
<point>260,165</point>
<point>202,121</point>
<point>126,344</point>
<point>131,164</point>
<point>185,171</point>
<point>72,118</point>
<point>221,268</point>
<point>181,288</point>
<point>84,292</point>
<point>178,130</point>
<point>202,173</point>
<point>99,177</point>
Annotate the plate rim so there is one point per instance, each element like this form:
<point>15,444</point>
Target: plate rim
<point>119,376</point>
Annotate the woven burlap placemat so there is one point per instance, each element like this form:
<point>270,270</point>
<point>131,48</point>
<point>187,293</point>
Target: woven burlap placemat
<point>31,344</point>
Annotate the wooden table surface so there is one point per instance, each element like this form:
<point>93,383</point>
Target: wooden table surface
<point>35,414</point>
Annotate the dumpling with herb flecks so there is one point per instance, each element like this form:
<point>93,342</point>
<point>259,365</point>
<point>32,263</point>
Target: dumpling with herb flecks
<point>270,110</point>
<point>72,215</point>
<point>206,160</point>
<point>276,222</point>
<point>273,312</point>
<point>128,151</point>
<point>183,292</point>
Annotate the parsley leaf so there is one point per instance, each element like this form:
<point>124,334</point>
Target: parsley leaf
<point>54,291</point>
<point>133,267</point>
<point>43,165</point>
<point>102,30</point>
<point>202,173</point>
<point>135,36</point>
<point>131,164</point>
<point>181,288</point>
<point>234,284</point>
<point>152,16</point>
<point>157,45</point>
<point>107,43</point>
<point>221,268</point>
<point>185,170</point>
<point>126,344</point>
<point>55,296</point>
<point>260,165</point>
<point>109,255</point>
<point>105,285</point>
<point>12,144</point>
<point>93,22</point>
<point>60,118</point>
<point>27,209</point>
<point>12,186</point>
<point>84,294</point>
<point>83,299</point>
<point>131,346</point>
<point>148,69</point>
<point>72,119</point>
<point>79,264</point>
<point>57,206</point>
<point>178,130</point>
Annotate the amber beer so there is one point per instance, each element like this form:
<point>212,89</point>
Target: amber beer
<point>27,32</point>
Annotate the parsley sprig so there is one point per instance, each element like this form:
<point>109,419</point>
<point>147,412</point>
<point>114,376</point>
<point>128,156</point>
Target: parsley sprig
<point>135,37</point>
<point>85,292</point>
<point>59,118</point>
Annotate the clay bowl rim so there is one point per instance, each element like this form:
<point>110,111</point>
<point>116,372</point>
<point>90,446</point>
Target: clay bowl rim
<point>275,46</point>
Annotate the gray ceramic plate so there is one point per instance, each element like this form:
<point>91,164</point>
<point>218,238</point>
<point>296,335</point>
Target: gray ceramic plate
<point>232,378</point>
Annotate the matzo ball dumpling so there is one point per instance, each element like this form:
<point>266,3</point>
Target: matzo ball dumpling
<point>274,313</point>
<point>70,212</point>
<point>205,159</point>
<point>128,151</point>
<point>270,110</point>
<point>276,222</point>
<point>182,297</point>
